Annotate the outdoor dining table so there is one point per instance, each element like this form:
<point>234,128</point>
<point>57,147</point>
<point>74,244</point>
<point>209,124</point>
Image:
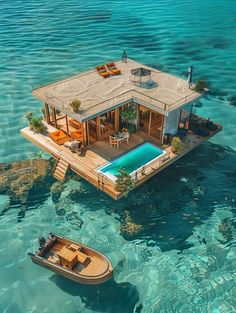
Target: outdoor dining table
<point>118,137</point>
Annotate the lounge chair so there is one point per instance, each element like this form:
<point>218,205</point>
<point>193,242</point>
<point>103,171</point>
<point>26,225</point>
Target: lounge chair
<point>102,71</point>
<point>113,69</point>
<point>59,137</point>
<point>77,134</point>
<point>74,123</point>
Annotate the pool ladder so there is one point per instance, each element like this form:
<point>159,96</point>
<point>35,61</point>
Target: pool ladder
<point>101,180</point>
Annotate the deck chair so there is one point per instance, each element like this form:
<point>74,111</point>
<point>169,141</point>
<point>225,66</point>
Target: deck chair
<point>102,71</point>
<point>113,142</point>
<point>113,69</point>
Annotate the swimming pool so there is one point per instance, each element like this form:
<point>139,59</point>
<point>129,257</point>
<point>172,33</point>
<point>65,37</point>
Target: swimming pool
<point>133,160</point>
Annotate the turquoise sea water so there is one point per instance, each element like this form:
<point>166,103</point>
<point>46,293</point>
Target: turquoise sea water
<point>132,160</point>
<point>181,256</point>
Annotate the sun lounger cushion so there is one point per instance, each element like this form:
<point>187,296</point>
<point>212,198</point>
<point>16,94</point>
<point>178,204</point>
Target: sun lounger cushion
<point>103,71</point>
<point>59,137</point>
<point>113,69</point>
<point>77,134</point>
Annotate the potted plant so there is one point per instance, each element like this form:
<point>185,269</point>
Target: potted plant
<point>29,116</point>
<point>201,85</point>
<point>38,125</point>
<point>124,182</point>
<point>75,104</point>
<point>176,144</point>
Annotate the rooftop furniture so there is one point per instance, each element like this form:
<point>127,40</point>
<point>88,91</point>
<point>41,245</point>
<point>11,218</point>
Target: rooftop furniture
<point>102,71</point>
<point>74,123</point>
<point>77,134</point>
<point>59,137</point>
<point>113,69</point>
<point>140,72</point>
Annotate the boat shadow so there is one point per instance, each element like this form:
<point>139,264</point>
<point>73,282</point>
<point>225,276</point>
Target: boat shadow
<point>107,297</point>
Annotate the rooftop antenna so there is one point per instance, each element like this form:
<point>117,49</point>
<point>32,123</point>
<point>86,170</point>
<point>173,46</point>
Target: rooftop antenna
<point>190,76</point>
<point>124,57</point>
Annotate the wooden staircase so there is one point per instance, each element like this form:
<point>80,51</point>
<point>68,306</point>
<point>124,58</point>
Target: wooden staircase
<point>60,169</point>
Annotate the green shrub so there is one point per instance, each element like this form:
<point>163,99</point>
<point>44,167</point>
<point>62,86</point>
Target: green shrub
<point>200,85</point>
<point>128,114</point>
<point>29,116</point>
<point>124,182</point>
<point>176,144</point>
<point>38,125</point>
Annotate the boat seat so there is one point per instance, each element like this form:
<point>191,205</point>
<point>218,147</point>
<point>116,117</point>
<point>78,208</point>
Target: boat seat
<point>74,247</point>
<point>83,258</point>
<point>54,259</point>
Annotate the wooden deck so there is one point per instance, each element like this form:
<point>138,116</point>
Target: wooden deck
<point>100,152</point>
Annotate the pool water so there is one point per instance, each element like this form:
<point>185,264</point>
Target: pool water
<point>133,160</point>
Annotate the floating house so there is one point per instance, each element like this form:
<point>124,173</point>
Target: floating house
<point>120,115</point>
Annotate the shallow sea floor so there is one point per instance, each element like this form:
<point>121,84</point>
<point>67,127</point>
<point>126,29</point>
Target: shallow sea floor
<point>172,241</point>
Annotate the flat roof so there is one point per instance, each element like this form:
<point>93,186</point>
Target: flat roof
<point>98,94</point>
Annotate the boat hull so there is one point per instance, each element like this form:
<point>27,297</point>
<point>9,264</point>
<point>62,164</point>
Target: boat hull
<point>75,276</point>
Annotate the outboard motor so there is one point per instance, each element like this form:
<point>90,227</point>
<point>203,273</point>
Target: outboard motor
<point>42,242</point>
<point>52,235</point>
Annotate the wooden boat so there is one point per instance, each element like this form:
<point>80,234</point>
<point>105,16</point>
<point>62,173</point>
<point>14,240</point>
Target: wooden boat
<point>73,260</point>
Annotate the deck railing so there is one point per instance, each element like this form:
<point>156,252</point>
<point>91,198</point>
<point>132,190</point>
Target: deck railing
<point>150,167</point>
<point>138,175</point>
<point>116,101</point>
<point>127,96</point>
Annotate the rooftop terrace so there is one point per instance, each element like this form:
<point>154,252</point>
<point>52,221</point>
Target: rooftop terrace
<point>98,95</point>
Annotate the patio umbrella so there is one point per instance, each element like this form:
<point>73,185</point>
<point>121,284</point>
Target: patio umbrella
<point>190,76</point>
<point>140,72</point>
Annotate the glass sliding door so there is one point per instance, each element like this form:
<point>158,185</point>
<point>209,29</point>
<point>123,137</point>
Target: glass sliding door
<point>144,117</point>
<point>151,122</point>
<point>156,125</point>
